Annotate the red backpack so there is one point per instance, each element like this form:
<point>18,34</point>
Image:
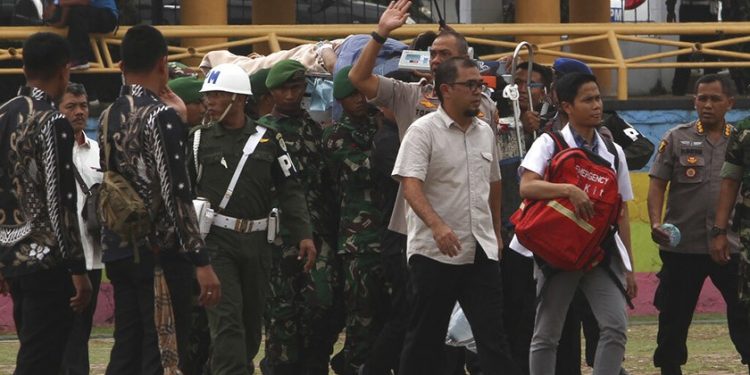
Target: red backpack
<point>550,228</point>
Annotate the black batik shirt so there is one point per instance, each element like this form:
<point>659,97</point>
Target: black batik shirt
<point>148,149</point>
<point>38,223</point>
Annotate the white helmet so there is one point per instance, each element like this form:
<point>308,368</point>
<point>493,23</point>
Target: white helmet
<point>227,78</point>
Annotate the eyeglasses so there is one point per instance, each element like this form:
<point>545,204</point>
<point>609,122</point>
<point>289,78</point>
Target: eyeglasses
<point>472,85</point>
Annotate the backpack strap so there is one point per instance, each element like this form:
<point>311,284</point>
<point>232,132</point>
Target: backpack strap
<point>559,141</point>
<point>612,150</point>
<point>84,188</point>
<point>250,145</point>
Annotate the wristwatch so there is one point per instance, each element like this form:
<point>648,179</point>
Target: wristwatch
<point>378,38</point>
<point>716,231</point>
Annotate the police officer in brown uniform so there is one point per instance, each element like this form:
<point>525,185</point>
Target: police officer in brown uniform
<point>689,159</point>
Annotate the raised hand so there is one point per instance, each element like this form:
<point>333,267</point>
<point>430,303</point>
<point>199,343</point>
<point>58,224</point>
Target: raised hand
<point>393,17</point>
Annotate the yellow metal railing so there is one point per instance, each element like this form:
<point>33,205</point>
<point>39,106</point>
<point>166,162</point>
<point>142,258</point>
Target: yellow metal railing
<point>730,35</point>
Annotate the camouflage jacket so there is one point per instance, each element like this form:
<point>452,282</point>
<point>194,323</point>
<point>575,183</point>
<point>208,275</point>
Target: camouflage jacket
<point>38,221</point>
<point>302,139</point>
<point>348,146</point>
<point>737,167</point>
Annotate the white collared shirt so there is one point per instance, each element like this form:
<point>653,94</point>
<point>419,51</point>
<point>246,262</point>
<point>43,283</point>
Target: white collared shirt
<point>86,159</point>
<point>457,168</point>
<point>538,158</point>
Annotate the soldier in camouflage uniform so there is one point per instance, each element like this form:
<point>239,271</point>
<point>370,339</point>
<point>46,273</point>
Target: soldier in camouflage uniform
<point>299,337</point>
<point>348,146</point>
<point>735,175</point>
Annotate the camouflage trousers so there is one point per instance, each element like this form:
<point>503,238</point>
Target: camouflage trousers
<point>300,323</point>
<point>367,301</point>
<point>744,270</point>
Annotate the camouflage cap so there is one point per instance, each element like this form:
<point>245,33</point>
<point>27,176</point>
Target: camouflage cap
<point>342,86</point>
<point>258,82</point>
<point>178,69</point>
<point>187,88</point>
<point>283,71</point>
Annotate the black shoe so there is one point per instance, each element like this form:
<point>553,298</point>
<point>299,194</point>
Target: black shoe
<point>265,368</point>
<point>337,363</point>
<point>671,370</point>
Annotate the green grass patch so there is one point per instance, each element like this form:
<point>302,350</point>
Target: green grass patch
<point>710,350</point>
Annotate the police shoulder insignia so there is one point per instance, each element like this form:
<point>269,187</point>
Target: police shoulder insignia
<point>727,129</point>
<point>480,114</point>
<point>427,103</point>
<point>663,145</point>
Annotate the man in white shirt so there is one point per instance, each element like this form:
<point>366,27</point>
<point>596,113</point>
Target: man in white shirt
<point>74,105</point>
<point>451,180</point>
<point>579,97</point>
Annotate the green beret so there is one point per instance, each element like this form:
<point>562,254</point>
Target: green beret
<point>187,88</point>
<point>258,82</point>
<point>342,86</point>
<point>283,71</point>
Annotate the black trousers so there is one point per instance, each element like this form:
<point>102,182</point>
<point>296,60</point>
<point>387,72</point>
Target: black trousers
<point>76,356</point>
<point>136,347</point>
<point>519,299</point>
<point>85,19</point>
<point>692,13</point>
<point>680,282</point>
<point>385,352</point>
<point>41,311</point>
<point>434,289</point>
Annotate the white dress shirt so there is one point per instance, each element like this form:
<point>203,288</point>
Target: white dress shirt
<point>86,159</point>
<point>457,168</point>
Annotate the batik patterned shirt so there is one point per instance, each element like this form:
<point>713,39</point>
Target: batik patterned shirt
<point>147,140</point>
<point>38,225</point>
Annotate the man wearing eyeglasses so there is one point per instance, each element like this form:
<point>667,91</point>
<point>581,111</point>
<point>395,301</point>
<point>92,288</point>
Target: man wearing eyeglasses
<point>409,101</point>
<point>449,173</point>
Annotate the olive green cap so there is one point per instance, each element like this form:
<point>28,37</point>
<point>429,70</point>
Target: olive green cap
<point>187,88</point>
<point>342,86</point>
<point>258,82</point>
<point>284,71</point>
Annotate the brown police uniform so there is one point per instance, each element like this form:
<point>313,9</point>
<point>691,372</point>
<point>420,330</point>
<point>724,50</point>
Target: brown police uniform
<point>692,164</point>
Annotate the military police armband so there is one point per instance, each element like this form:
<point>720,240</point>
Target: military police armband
<point>285,162</point>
